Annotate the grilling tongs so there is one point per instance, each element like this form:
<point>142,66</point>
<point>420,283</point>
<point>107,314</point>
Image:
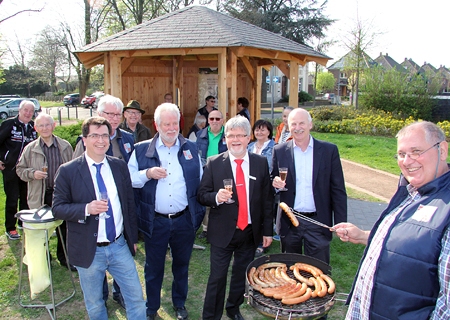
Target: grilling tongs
<point>293,215</point>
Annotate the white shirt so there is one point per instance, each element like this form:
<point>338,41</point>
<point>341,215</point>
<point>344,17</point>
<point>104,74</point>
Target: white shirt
<point>112,195</point>
<point>303,161</point>
<point>246,169</point>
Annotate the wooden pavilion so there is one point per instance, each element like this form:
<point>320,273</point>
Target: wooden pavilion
<point>170,54</point>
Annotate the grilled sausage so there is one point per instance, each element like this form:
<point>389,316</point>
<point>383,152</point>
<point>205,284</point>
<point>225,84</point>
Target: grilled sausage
<point>330,282</point>
<point>300,299</point>
<point>301,291</point>
<point>299,277</point>
<point>316,272</point>
<point>317,287</point>
<point>289,213</point>
<point>323,291</point>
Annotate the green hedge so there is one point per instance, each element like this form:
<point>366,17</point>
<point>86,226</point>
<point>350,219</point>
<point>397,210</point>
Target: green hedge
<point>69,132</point>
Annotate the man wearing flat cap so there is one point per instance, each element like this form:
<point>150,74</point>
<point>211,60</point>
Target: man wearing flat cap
<point>132,116</point>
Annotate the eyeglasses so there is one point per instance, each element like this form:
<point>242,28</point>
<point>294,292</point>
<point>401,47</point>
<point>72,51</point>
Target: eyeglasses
<point>112,115</point>
<point>215,119</point>
<point>213,101</point>
<point>133,113</point>
<point>236,136</point>
<point>96,136</point>
<point>415,154</point>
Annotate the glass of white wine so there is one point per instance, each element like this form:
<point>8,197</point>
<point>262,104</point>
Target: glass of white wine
<point>104,198</point>
<point>283,174</point>
<point>228,185</point>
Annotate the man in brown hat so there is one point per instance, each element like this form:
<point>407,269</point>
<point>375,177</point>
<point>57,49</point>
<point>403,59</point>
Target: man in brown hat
<point>132,116</point>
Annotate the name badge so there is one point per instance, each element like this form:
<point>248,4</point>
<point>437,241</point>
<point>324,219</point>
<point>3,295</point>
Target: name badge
<point>424,213</point>
<point>127,147</point>
<point>187,154</point>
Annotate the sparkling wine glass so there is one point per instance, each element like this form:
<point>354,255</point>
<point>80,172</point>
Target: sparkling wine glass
<point>228,185</point>
<point>283,174</point>
<point>104,198</point>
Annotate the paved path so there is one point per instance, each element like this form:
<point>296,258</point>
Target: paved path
<point>376,183</point>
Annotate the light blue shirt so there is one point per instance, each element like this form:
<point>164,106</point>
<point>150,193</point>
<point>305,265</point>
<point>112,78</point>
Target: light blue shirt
<point>303,161</point>
<point>171,191</point>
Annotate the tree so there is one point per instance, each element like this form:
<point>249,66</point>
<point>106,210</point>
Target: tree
<point>21,80</point>
<point>358,41</point>
<point>49,55</point>
<point>399,93</point>
<point>18,12</point>
<point>325,81</point>
<point>298,20</point>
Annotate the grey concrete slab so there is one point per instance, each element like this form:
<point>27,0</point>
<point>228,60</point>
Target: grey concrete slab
<point>364,214</point>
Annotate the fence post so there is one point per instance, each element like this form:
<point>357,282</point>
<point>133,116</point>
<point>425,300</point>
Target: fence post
<point>59,116</point>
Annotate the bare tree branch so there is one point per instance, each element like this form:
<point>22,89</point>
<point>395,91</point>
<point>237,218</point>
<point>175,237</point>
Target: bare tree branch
<point>21,11</point>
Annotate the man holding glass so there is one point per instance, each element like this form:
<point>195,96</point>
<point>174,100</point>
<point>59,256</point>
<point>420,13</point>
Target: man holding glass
<point>315,187</point>
<point>166,173</point>
<point>236,227</point>
<point>37,166</point>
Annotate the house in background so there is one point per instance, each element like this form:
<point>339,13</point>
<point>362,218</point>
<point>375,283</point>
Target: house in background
<point>344,75</point>
<point>388,63</point>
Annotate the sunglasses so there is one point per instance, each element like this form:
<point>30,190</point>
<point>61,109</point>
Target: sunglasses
<point>215,119</point>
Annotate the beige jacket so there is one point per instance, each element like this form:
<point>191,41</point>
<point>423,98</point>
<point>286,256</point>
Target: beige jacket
<point>32,159</point>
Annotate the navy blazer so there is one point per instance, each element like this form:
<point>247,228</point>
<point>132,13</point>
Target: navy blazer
<point>223,218</point>
<point>328,183</point>
<point>74,189</point>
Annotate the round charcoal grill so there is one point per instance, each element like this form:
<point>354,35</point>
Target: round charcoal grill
<point>313,308</point>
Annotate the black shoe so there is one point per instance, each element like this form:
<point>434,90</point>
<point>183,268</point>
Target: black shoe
<point>237,316</point>
<point>182,313</point>
<point>117,297</point>
<point>151,316</point>
<point>202,235</point>
<point>64,264</point>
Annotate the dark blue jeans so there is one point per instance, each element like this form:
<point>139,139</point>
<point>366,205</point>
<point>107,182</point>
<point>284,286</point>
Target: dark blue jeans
<point>179,234</point>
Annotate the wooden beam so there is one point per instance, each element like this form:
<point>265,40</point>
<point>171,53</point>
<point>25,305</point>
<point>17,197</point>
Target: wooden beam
<point>116,76</point>
<point>232,98</point>
<point>293,84</point>
<point>257,92</point>
<point>248,66</point>
<point>107,73</point>
<point>283,66</point>
<point>126,63</point>
<point>222,82</point>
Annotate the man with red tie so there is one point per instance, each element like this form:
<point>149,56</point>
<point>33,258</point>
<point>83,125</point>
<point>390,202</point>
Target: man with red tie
<point>234,228</point>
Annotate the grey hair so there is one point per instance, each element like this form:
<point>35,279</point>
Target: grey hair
<point>25,102</point>
<point>109,99</point>
<point>298,110</point>
<point>288,108</point>
<point>43,115</point>
<point>238,122</point>
<point>433,133</point>
<point>199,119</point>
<point>168,107</point>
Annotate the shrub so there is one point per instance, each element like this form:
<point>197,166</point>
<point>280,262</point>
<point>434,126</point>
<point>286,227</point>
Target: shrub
<point>304,97</point>
<point>69,132</point>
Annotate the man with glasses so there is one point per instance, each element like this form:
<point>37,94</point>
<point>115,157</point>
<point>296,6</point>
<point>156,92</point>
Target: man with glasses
<point>121,146</point>
<point>38,165</point>
<point>93,193</point>
<point>210,142</point>
<point>405,270</point>
<point>236,229</point>
<point>209,106</point>
<point>132,114</point>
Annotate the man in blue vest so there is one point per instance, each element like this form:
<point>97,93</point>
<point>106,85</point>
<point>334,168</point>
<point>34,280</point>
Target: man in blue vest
<point>404,273</point>
<point>166,172</point>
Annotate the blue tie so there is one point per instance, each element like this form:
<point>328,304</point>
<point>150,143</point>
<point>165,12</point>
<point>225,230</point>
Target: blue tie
<point>110,226</point>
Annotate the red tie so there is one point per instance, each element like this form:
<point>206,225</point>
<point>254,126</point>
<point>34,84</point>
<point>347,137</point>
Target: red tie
<point>242,196</point>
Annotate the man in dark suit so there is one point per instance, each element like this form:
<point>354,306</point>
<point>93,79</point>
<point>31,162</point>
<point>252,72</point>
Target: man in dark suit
<point>102,234</point>
<point>315,187</point>
<point>239,227</point>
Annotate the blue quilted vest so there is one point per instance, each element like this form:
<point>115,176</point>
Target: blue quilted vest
<point>147,157</point>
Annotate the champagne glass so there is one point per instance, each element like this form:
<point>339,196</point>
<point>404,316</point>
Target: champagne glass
<point>283,174</point>
<point>228,185</point>
<point>163,164</point>
<point>104,198</point>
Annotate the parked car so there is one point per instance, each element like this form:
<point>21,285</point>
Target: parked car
<point>90,101</point>
<point>9,96</point>
<point>71,99</point>
<point>330,97</point>
<point>10,108</point>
